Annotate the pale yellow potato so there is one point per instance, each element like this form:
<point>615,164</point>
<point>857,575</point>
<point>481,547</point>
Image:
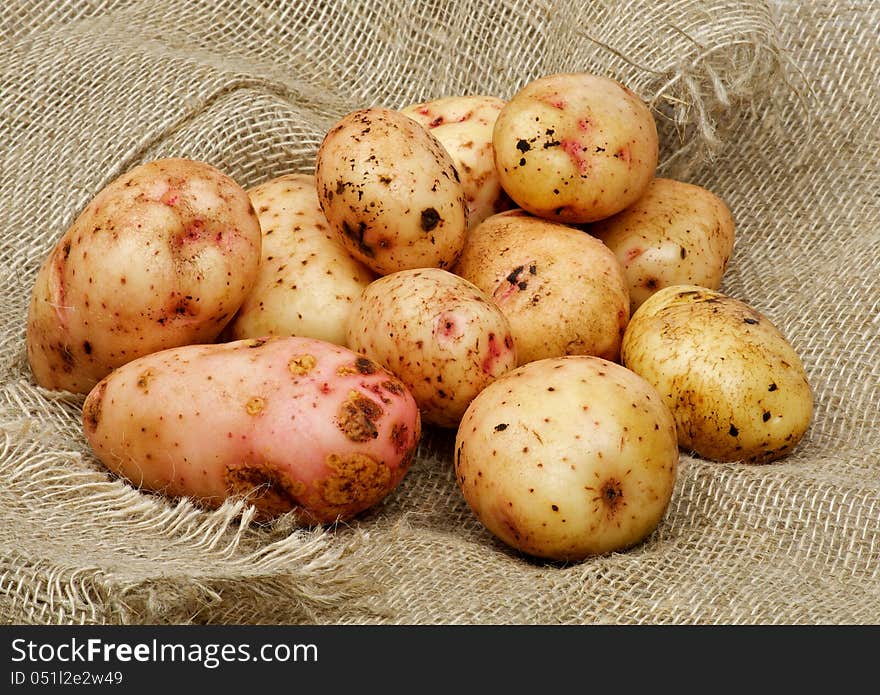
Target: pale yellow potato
<point>464,126</point>
<point>736,386</point>
<point>308,281</point>
<point>677,233</point>
<point>562,290</point>
<point>568,457</point>
<point>441,336</point>
<point>161,257</point>
<point>391,191</point>
<point>575,147</point>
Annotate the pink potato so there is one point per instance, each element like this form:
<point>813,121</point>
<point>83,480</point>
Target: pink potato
<point>296,424</point>
<point>162,256</point>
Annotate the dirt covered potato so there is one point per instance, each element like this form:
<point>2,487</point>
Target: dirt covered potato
<point>163,256</point>
<point>568,457</point>
<point>294,423</point>
<point>575,147</point>
<point>562,290</point>
<point>464,126</point>
<point>391,191</point>
<point>440,334</point>
<point>736,386</point>
<point>307,280</point>
<point>675,234</point>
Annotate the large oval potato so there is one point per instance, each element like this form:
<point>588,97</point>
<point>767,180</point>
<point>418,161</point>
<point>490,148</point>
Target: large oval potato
<point>440,334</point>
<point>162,256</point>
<point>464,126</point>
<point>391,191</point>
<point>736,386</point>
<point>568,457</point>
<point>677,233</point>
<point>575,147</point>
<point>294,423</point>
<point>308,281</point>
<point>562,290</point>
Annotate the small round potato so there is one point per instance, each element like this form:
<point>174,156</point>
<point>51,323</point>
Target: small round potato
<point>308,281</point>
<point>575,147</point>
<point>562,290</point>
<point>675,234</point>
<point>441,335</point>
<point>568,457</point>
<point>735,385</point>
<point>163,256</point>
<point>464,126</point>
<point>391,191</point>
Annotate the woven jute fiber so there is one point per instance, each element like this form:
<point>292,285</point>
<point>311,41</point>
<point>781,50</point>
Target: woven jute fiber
<point>773,106</point>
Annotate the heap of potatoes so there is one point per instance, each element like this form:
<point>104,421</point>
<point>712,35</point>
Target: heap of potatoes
<point>510,270</point>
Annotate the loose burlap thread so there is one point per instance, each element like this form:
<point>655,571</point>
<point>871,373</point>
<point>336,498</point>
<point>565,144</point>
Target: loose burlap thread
<point>773,106</point>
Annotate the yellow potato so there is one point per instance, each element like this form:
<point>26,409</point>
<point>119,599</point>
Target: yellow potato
<point>308,281</point>
<point>161,257</point>
<point>568,457</point>
<point>441,336</point>
<point>736,386</point>
<point>675,234</point>
<point>391,191</point>
<point>464,126</point>
<point>562,290</point>
<point>574,147</point>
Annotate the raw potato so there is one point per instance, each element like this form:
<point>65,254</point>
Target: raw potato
<point>294,423</point>
<point>440,334</point>
<point>307,281</point>
<point>568,457</point>
<point>162,256</point>
<point>574,147</point>
<point>562,290</point>
<point>464,126</point>
<point>675,234</point>
<point>391,191</point>
<point>736,387</point>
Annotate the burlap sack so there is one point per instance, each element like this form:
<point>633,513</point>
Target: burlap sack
<point>774,107</point>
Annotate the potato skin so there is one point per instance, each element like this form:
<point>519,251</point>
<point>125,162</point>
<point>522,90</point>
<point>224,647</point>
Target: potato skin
<point>464,126</point>
<point>575,147</point>
<point>677,233</point>
<point>441,335</point>
<point>562,290</point>
<point>307,281</point>
<point>391,191</point>
<point>737,388</point>
<point>568,457</point>
<point>299,424</point>
<point>162,256</point>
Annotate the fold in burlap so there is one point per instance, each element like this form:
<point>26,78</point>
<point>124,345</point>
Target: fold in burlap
<point>773,107</point>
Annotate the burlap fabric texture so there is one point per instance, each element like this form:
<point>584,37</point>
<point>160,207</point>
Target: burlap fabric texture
<point>774,107</point>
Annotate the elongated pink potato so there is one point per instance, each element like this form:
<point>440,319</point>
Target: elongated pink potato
<point>295,423</point>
